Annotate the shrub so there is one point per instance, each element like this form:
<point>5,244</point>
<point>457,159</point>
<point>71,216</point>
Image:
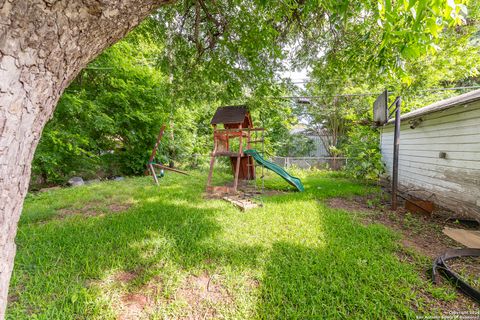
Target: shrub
<point>362,150</point>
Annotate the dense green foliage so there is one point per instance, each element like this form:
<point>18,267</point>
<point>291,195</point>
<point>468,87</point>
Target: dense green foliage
<point>106,122</point>
<point>363,153</point>
<point>193,56</point>
<point>93,252</point>
<point>296,145</point>
<point>106,118</point>
<point>409,62</point>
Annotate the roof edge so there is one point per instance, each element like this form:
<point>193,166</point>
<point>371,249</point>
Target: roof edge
<point>441,105</point>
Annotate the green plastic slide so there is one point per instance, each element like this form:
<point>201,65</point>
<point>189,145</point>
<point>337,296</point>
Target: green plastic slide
<point>294,181</point>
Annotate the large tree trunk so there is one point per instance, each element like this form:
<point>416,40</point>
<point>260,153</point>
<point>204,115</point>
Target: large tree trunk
<point>43,46</point>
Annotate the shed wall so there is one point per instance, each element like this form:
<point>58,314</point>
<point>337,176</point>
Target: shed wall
<point>453,182</point>
<point>320,150</point>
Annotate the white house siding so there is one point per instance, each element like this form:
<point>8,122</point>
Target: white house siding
<point>453,182</point>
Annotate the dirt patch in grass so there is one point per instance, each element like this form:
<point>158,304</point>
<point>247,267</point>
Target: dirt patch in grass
<point>14,293</point>
<point>420,233</point>
<point>349,205</point>
<point>95,208</point>
<point>245,190</point>
<point>89,212</point>
<point>468,268</point>
<point>12,298</point>
<point>134,306</point>
<point>125,276</point>
<point>119,207</point>
<point>139,301</point>
<point>253,284</point>
<point>203,293</point>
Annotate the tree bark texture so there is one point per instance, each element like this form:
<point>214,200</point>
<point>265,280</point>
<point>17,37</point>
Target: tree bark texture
<point>43,45</point>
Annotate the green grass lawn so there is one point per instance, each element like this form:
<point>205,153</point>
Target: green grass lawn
<point>130,249</point>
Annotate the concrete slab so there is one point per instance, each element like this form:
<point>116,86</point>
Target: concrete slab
<point>469,238</point>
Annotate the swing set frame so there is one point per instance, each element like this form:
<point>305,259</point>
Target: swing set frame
<point>151,165</point>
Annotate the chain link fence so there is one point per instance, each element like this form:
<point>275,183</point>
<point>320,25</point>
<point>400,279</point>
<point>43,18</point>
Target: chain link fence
<point>331,163</point>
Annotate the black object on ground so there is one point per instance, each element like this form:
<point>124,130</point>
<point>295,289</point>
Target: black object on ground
<point>466,223</point>
<point>440,265</point>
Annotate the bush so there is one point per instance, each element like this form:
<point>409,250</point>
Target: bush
<point>362,150</point>
<point>296,145</point>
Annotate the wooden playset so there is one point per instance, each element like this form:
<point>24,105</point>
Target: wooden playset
<point>231,141</point>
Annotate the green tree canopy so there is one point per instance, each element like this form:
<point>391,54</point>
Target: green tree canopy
<point>191,57</point>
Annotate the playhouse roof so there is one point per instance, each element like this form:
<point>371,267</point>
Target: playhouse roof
<point>229,115</point>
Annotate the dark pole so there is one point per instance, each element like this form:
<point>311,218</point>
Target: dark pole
<point>396,149</point>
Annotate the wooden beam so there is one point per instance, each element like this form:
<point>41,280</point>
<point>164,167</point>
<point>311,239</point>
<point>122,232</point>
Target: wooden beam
<point>242,204</point>
<point>237,167</point>
<point>154,151</point>
<point>212,159</point>
<point>152,171</point>
<point>170,169</point>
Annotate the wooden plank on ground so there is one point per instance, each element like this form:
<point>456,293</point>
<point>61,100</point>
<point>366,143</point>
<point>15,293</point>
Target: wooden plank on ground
<point>469,238</point>
<point>241,203</point>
